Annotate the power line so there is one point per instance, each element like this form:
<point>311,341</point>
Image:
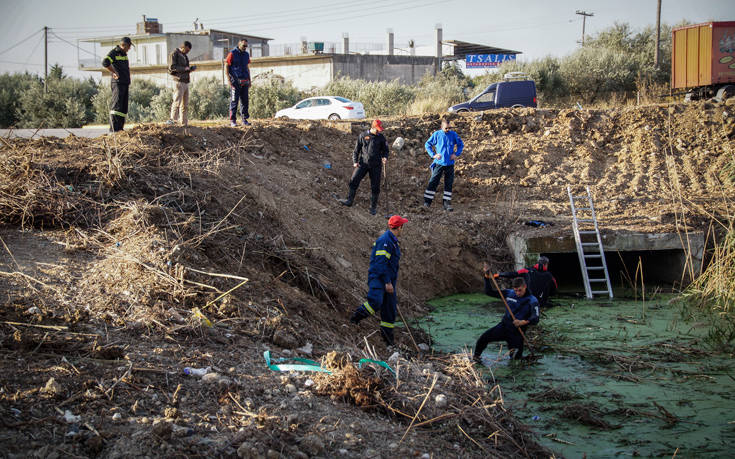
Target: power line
<point>30,56</point>
<point>342,17</point>
<point>73,45</point>
<point>22,41</point>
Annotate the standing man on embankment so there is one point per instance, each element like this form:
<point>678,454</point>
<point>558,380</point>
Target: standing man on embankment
<point>116,62</point>
<point>444,146</point>
<point>382,279</point>
<point>368,157</point>
<point>178,67</point>
<point>237,66</point>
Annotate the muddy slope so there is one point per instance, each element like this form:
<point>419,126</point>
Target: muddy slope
<point>113,242</point>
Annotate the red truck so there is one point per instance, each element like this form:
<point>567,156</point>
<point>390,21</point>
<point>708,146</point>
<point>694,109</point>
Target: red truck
<point>703,60</point>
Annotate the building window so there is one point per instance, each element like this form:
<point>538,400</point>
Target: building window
<point>145,54</point>
<point>158,54</point>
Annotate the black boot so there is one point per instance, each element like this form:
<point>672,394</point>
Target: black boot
<point>373,204</point>
<point>358,315</point>
<point>350,197</point>
<point>448,206</point>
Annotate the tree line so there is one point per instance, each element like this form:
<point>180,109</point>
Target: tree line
<point>614,66</point>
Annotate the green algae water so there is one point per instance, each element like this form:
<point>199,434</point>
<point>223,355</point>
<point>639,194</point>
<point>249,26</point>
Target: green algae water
<point>616,378</point>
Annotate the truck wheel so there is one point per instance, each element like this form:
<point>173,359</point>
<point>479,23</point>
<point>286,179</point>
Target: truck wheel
<point>334,116</point>
<point>517,106</point>
<point>725,92</point>
<point>462,110</point>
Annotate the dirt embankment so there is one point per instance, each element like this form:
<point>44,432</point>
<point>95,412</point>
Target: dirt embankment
<point>113,242</point>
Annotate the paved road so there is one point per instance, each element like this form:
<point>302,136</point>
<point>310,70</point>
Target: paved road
<point>36,133</point>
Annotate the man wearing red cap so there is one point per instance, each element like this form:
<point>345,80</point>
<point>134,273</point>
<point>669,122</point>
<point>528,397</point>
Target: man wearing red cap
<point>371,152</point>
<point>382,278</point>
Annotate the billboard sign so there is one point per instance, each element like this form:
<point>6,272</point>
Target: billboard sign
<point>487,60</point>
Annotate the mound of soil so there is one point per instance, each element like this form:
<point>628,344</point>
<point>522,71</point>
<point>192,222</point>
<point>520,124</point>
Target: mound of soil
<point>118,253</point>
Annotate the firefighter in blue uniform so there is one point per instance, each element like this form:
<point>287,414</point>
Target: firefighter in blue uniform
<point>238,71</point>
<point>525,309</point>
<point>116,62</point>
<point>382,278</point>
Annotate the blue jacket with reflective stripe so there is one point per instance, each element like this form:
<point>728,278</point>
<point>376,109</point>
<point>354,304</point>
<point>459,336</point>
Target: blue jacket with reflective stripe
<point>444,143</point>
<point>524,307</point>
<point>384,258</point>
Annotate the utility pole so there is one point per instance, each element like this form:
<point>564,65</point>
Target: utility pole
<point>45,58</point>
<point>584,15</point>
<point>658,34</point>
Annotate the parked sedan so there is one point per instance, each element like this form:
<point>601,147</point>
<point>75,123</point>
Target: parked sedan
<point>322,108</point>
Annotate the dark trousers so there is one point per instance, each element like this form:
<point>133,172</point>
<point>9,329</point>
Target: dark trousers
<point>239,94</point>
<point>361,171</point>
<point>379,300</point>
<point>501,333</point>
<point>436,175</point>
<point>119,106</point>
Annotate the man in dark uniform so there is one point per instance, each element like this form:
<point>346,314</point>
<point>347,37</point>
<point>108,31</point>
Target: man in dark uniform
<point>525,310</point>
<point>540,281</point>
<point>116,62</point>
<point>237,66</point>
<point>382,279</point>
<point>368,157</point>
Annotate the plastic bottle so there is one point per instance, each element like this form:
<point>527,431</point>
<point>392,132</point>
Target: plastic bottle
<point>196,371</point>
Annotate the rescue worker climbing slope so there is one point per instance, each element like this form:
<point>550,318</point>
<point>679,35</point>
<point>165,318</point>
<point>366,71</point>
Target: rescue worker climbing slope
<point>382,279</point>
<point>368,157</point>
<point>116,62</point>
<point>540,281</point>
<point>525,310</point>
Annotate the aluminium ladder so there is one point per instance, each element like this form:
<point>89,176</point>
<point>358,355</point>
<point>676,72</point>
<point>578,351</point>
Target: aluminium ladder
<point>584,225</point>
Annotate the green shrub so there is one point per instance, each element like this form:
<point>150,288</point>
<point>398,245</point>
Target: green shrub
<point>208,99</point>
<point>11,88</point>
<point>271,95</point>
<point>66,102</point>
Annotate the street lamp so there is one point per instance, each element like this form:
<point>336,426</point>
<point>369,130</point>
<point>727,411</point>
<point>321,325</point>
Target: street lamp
<point>227,46</point>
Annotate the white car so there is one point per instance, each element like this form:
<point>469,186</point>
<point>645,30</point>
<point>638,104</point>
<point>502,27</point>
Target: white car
<point>322,108</point>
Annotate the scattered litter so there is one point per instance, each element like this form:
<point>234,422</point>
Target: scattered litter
<point>424,347</point>
<point>310,365</point>
<point>197,371</point>
<point>308,383</point>
<point>394,357</point>
<point>377,362</point>
<point>536,417</point>
<point>306,349</point>
<point>440,400</point>
<point>198,315</point>
<point>327,165</point>
<point>398,143</point>
<point>33,310</point>
<point>70,418</point>
<point>117,417</point>
<point>16,412</point>
<point>538,223</point>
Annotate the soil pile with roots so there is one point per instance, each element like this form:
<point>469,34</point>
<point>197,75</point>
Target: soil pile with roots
<point>125,259</point>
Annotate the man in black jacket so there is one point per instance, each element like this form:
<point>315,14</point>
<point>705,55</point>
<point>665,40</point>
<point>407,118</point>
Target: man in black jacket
<point>371,152</point>
<point>116,62</point>
<point>540,281</point>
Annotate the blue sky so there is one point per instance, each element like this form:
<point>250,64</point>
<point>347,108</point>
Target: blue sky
<point>535,27</point>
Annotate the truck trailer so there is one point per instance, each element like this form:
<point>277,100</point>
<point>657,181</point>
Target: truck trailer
<point>703,60</point>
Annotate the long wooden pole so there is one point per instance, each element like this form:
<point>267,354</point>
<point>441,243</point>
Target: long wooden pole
<point>511,312</point>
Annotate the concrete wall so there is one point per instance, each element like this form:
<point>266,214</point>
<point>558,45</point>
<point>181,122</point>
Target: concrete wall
<point>305,72</point>
<point>406,69</point>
